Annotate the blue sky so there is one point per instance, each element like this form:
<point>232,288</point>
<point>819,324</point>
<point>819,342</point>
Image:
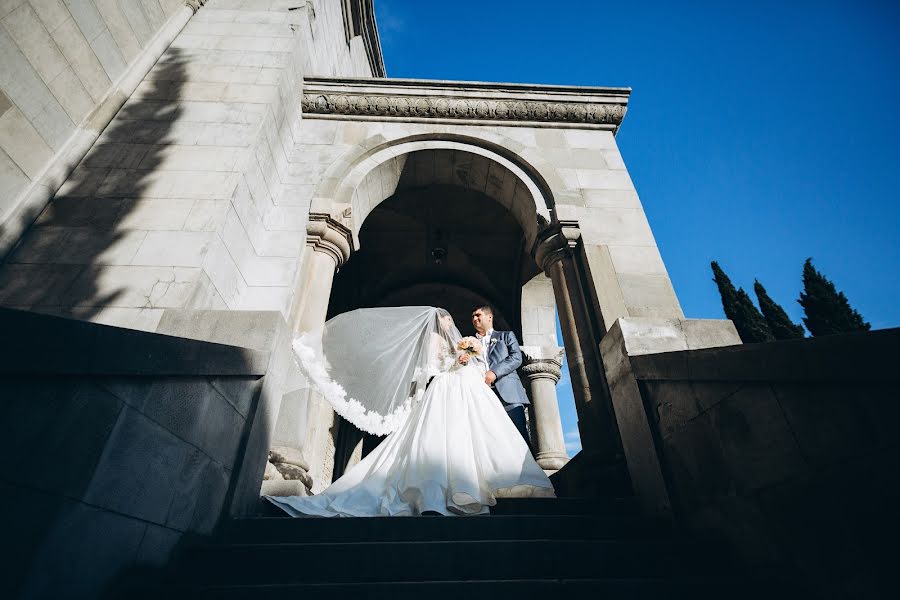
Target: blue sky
<point>758,133</point>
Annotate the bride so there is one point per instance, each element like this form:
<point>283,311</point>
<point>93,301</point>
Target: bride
<point>407,372</point>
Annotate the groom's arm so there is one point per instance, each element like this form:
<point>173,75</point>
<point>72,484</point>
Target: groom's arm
<point>513,361</point>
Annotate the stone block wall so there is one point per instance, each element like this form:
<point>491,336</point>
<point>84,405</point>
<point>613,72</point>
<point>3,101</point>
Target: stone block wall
<point>188,199</point>
<point>786,451</point>
<point>59,64</point>
<point>115,444</point>
<point>538,313</point>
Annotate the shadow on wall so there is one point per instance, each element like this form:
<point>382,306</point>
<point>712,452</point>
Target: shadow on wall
<point>70,261</point>
<point>118,448</point>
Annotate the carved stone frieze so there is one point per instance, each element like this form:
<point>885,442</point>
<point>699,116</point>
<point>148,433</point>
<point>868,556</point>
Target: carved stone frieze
<point>421,100</point>
<point>444,107</point>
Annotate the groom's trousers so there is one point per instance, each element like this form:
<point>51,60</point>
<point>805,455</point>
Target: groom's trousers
<point>517,416</point>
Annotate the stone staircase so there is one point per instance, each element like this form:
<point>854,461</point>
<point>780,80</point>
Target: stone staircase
<point>527,548</point>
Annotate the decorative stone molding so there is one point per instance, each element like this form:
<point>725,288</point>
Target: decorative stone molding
<point>327,235</point>
<point>555,243</point>
<point>417,100</point>
<point>542,363</point>
<point>194,5</point>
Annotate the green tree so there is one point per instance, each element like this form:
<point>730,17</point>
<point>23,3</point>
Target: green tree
<point>779,323</point>
<point>827,310</point>
<point>750,324</point>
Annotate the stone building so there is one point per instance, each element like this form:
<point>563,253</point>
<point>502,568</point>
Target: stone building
<point>231,172</point>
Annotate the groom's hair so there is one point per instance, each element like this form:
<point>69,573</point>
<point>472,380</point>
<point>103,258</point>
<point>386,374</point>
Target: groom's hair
<point>485,308</point>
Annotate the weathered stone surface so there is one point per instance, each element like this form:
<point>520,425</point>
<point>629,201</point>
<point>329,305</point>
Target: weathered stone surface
<point>136,473</point>
<point>294,473</point>
<point>272,473</point>
<point>284,488</point>
<point>288,455</point>
<point>83,551</point>
<point>54,432</point>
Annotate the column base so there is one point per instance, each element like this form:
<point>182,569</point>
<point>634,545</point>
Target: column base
<point>592,476</point>
<point>551,461</point>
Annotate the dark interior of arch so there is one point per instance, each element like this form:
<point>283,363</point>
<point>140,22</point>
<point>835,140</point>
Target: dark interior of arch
<point>438,245</point>
<point>434,245</point>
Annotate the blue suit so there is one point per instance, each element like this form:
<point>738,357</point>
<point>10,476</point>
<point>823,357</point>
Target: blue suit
<point>503,358</point>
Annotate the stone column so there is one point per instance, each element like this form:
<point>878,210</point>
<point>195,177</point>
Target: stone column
<point>554,251</point>
<point>541,367</point>
<point>328,246</point>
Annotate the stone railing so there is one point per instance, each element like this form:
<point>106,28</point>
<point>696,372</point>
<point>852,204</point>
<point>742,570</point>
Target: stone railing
<point>785,450</point>
<point>121,441</point>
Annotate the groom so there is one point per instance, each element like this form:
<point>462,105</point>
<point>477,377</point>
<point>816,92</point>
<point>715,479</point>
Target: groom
<point>502,357</point>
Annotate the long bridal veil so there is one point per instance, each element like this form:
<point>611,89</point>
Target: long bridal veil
<point>373,364</point>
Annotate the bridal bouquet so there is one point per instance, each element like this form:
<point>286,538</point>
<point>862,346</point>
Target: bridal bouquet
<point>469,345</point>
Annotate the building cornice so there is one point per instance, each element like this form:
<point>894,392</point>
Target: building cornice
<point>359,20</point>
<point>419,100</point>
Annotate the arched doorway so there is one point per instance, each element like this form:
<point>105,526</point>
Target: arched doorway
<point>398,224</point>
<point>438,243</point>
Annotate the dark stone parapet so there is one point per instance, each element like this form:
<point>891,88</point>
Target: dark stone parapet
<point>784,450</point>
<point>36,343</point>
<point>870,356</point>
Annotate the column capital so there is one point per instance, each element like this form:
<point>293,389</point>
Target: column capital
<point>542,362</point>
<point>194,5</point>
<point>555,243</point>
<point>326,234</point>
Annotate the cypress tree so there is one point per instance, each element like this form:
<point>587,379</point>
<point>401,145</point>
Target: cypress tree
<point>779,323</point>
<point>750,324</point>
<point>827,310</point>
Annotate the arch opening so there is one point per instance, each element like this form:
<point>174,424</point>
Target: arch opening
<point>440,227</point>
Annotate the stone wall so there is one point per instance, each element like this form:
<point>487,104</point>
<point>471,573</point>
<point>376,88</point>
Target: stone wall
<point>786,450</point>
<point>189,197</point>
<point>116,443</point>
<point>61,65</point>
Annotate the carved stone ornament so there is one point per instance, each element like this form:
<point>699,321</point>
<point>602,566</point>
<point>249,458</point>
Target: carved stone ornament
<point>194,5</point>
<point>555,243</point>
<point>327,235</point>
<point>443,107</point>
<point>542,365</point>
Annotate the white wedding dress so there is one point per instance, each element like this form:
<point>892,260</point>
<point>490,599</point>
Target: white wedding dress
<point>455,454</point>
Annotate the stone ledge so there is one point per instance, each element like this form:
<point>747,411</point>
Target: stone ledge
<point>44,344</point>
<point>418,100</point>
<point>867,356</point>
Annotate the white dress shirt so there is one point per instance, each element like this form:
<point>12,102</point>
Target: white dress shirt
<point>485,341</point>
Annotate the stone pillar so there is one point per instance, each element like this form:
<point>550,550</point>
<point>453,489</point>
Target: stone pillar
<point>541,367</point>
<point>328,246</point>
<point>554,251</point>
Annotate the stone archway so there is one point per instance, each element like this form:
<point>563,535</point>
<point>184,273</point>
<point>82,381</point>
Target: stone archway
<point>378,167</point>
<point>451,228</point>
<point>404,234</point>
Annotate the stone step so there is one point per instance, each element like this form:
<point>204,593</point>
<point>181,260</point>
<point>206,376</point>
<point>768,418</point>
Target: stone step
<point>538,589</point>
<point>609,506</point>
<point>411,529</point>
<point>363,562</point>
